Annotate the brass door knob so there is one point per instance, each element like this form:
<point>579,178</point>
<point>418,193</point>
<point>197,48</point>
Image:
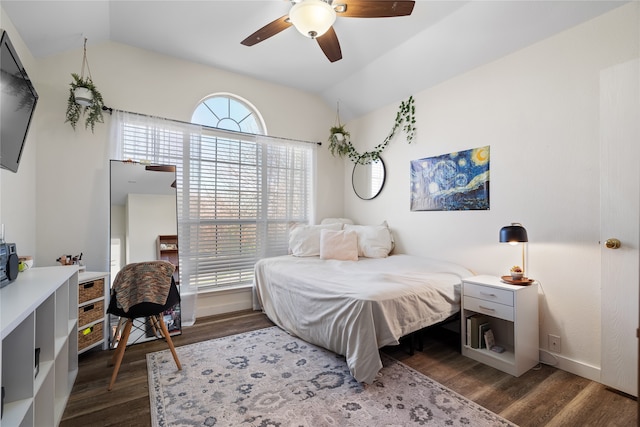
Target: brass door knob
<point>612,243</point>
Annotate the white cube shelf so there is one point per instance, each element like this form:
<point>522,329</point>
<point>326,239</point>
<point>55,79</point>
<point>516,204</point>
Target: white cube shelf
<point>39,312</point>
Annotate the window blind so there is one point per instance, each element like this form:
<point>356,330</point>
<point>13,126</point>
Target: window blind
<point>238,194</point>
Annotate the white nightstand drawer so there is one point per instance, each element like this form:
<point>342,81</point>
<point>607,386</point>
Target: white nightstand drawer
<point>490,308</point>
<point>487,293</point>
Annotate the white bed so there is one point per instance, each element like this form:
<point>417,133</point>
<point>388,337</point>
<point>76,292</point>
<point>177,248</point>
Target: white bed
<point>356,307</point>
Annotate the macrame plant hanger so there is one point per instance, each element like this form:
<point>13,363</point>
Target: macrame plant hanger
<point>341,136</point>
<point>83,95</point>
<point>85,62</point>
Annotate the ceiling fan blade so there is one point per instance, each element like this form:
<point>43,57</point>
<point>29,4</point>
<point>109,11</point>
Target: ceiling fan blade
<point>373,8</point>
<point>267,31</point>
<point>330,45</point>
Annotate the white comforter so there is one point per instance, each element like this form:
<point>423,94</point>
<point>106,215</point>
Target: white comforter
<point>355,307</point>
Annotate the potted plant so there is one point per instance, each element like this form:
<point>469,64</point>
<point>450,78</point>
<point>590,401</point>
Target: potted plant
<point>84,99</point>
<point>516,272</point>
<point>339,143</point>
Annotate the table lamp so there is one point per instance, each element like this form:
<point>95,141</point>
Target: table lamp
<point>514,234</point>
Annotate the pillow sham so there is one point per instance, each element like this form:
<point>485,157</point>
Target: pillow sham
<point>341,221</point>
<point>341,245</point>
<point>374,241</point>
<point>304,240</point>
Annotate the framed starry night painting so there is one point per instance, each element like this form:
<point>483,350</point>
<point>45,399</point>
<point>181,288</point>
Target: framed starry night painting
<point>451,182</point>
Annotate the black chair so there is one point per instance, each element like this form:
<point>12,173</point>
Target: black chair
<point>144,289</point>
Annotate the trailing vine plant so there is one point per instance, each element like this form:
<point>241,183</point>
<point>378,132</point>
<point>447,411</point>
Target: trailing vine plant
<point>405,120</point>
<point>339,137</point>
<point>93,111</point>
<point>75,110</point>
<point>339,141</point>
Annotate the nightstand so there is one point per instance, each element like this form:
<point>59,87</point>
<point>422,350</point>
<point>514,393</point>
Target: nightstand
<point>511,313</point>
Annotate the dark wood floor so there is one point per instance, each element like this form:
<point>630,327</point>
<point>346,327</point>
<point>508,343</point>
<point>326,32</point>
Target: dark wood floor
<point>541,397</point>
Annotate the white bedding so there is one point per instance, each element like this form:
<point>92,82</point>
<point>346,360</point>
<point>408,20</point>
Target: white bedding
<point>355,307</point>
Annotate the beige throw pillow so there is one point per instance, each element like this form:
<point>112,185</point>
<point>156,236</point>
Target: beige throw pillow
<point>340,245</point>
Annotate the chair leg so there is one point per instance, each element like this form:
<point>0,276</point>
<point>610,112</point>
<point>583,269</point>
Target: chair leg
<point>123,322</point>
<point>165,332</point>
<point>119,354</point>
<point>116,337</point>
<point>153,321</point>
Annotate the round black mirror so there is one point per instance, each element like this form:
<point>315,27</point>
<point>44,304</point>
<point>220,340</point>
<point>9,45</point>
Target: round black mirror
<point>368,179</point>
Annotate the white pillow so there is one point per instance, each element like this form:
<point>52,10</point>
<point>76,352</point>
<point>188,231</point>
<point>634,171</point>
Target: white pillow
<point>374,241</point>
<point>340,221</point>
<point>304,240</point>
<point>341,245</point>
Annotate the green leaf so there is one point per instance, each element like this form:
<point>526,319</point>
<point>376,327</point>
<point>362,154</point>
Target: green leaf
<point>93,112</point>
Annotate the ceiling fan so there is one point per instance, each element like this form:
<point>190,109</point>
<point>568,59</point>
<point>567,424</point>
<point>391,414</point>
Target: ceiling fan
<point>315,18</point>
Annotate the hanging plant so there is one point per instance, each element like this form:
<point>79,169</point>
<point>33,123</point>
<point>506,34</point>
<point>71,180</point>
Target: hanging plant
<point>339,141</point>
<point>339,137</point>
<point>84,98</point>
<point>405,120</point>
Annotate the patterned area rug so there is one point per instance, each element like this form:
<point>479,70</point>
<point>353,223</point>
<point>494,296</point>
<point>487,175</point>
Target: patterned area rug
<point>268,378</point>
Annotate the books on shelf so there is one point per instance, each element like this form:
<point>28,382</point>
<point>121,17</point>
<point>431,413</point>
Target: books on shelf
<point>473,329</point>
<point>482,330</point>
<point>490,341</point>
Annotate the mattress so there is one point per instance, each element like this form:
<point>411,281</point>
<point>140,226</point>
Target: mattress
<point>353,308</point>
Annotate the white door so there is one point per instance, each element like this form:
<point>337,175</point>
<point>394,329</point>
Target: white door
<point>619,195</point>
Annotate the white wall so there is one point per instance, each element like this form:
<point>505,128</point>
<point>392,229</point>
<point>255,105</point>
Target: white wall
<point>148,216</point>
<point>18,190</point>
<point>538,109</point>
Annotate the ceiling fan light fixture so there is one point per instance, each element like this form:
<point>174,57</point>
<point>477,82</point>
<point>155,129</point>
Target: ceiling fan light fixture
<point>312,18</point>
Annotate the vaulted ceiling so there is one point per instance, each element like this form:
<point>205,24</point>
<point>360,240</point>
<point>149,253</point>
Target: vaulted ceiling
<point>384,60</point>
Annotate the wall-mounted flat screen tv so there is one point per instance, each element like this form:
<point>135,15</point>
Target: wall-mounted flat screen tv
<point>18,99</point>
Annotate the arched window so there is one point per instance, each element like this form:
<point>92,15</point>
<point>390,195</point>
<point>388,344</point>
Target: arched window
<point>241,191</point>
<point>230,112</point>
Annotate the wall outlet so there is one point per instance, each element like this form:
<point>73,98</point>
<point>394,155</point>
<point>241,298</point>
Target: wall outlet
<point>554,343</point>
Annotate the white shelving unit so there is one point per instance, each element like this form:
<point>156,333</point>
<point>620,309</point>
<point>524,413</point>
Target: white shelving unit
<point>512,313</point>
<point>39,310</point>
<point>93,300</point>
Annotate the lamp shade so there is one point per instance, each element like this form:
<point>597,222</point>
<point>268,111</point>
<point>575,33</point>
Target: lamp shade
<point>513,233</point>
<point>312,17</point>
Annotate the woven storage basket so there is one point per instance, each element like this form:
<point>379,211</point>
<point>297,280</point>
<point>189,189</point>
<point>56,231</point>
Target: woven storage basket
<point>90,290</point>
<point>90,335</point>
<point>90,313</point>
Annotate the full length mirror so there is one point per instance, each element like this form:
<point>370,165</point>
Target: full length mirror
<point>143,227</point>
<point>368,179</point>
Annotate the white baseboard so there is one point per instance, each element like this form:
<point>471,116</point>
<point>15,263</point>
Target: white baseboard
<point>581,369</point>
